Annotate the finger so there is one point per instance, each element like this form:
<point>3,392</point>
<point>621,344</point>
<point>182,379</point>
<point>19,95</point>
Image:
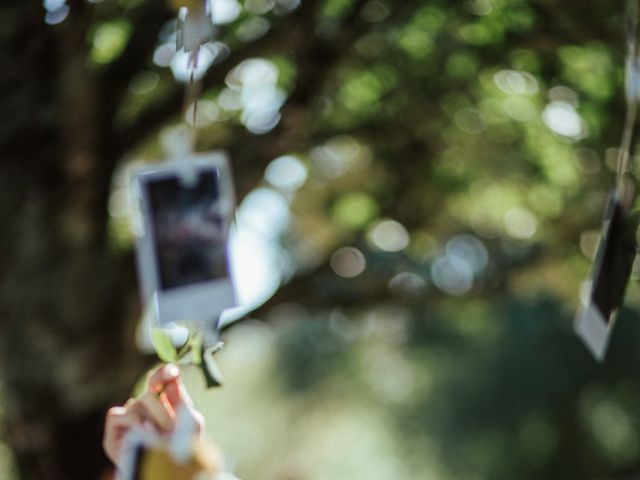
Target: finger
<point>119,417</point>
<point>167,381</point>
<point>161,376</point>
<point>156,411</point>
<point>119,420</point>
<point>177,395</point>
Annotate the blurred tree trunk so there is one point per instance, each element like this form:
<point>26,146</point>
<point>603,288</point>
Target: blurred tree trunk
<point>66,332</point>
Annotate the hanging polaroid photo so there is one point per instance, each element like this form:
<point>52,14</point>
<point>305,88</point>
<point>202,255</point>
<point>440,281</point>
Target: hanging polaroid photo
<point>609,277</point>
<point>186,208</point>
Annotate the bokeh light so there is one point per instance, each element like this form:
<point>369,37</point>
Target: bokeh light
<point>520,223</point>
<point>225,11</point>
<point>451,276</point>
<point>56,11</point>
<point>562,117</point>
<point>265,211</point>
<point>339,156</point>
<point>515,82</point>
<point>287,173</point>
<point>469,250</point>
<point>253,90</point>
<point>408,284</point>
<point>348,262</point>
<point>389,235</point>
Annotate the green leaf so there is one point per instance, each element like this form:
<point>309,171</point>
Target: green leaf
<point>163,345</point>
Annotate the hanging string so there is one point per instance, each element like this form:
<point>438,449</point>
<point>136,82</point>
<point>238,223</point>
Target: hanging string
<point>195,29</point>
<point>192,94</point>
<point>624,184</point>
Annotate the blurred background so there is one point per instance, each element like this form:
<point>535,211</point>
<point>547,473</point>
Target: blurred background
<point>420,185</point>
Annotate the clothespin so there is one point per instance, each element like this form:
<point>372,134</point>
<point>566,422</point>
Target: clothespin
<point>195,26</point>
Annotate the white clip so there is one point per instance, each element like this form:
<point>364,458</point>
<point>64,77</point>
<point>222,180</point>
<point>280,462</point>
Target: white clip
<point>178,143</point>
<point>195,29</point>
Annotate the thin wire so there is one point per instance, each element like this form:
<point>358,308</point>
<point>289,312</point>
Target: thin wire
<point>623,186</point>
<point>624,157</point>
<point>193,88</point>
<point>191,97</point>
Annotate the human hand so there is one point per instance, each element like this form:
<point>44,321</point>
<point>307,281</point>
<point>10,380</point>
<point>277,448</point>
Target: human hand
<point>157,407</point>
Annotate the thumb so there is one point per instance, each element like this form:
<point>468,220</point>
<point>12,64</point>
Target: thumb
<point>176,394</point>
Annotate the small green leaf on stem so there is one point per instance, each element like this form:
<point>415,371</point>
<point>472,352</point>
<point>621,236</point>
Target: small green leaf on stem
<point>163,345</point>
